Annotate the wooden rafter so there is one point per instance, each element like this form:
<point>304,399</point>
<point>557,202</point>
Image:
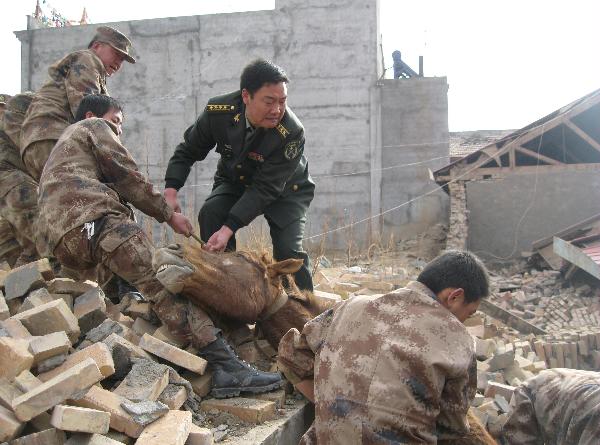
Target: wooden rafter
<point>539,156</point>
<point>582,134</point>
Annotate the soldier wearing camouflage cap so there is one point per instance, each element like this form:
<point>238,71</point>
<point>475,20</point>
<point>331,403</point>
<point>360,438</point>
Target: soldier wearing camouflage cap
<point>18,190</point>
<point>74,76</point>
<point>397,368</point>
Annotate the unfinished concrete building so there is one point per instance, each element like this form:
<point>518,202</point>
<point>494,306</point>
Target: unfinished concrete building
<point>528,185</point>
<point>370,142</point>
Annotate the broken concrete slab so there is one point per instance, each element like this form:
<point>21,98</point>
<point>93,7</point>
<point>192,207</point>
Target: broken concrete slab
<point>146,381</point>
<point>145,412</point>
<point>174,396</point>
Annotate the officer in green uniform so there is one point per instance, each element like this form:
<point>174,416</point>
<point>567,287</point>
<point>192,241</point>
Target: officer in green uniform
<point>262,169</point>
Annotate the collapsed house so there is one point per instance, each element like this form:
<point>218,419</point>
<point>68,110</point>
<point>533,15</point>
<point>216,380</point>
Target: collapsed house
<point>527,185</point>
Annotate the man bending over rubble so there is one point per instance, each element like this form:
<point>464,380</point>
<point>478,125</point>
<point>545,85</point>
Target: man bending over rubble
<point>85,220</point>
<point>397,368</point>
<point>558,406</point>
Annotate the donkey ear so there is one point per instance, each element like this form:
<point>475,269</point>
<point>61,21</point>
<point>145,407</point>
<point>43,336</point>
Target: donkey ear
<point>284,267</point>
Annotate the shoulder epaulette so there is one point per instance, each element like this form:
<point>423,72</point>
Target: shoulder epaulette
<point>218,108</point>
<point>282,130</point>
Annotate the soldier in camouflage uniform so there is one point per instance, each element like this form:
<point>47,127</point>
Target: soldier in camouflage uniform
<point>55,104</point>
<point>397,368</point>
<point>18,190</point>
<point>558,407</point>
<point>262,169</point>
<point>85,188</point>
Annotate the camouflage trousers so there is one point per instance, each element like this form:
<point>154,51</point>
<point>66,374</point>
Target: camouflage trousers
<point>19,208</point>
<point>35,156</point>
<point>121,246</point>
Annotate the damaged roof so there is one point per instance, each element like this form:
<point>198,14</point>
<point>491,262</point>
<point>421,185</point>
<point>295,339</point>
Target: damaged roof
<point>569,136</point>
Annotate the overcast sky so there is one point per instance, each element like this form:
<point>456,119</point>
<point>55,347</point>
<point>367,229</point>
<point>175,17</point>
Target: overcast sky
<point>508,62</point>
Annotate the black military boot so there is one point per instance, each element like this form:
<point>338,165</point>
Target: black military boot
<point>232,375</point>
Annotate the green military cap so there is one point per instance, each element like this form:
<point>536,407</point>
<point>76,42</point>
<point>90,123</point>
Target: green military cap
<point>116,39</point>
<point>19,102</point>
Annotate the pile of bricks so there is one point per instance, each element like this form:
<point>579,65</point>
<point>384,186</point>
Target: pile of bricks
<point>542,299</point>
<point>77,369</point>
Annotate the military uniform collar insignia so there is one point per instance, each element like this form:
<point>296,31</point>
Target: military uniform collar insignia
<point>214,108</point>
<point>284,132</point>
<point>236,118</point>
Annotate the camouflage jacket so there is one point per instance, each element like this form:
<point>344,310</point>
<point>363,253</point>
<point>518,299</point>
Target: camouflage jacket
<point>90,174</point>
<point>268,166</point>
<point>556,407</point>
<point>12,170</point>
<point>398,368</point>
<point>55,104</point>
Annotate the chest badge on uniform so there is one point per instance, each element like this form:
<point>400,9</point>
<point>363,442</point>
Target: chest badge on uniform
<point>236,118</point>
<point>292,150</point>
<point>256,156</point>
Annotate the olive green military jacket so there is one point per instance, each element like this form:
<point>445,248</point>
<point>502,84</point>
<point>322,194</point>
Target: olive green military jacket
<point>269,171</point>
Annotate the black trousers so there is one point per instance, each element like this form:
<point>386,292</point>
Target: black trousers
<point>287,240</point>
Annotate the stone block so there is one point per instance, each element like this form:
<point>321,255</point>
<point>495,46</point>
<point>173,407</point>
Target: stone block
<point>199,436</point>
<point>248,410</point>
<point>26,381</point>
<point>99,352</point>
<point>145,412</point>
<point>15,329</point>
<point>123,352</point>
<point>30,276</point>
<point>172,354</point>
<point>35,298</point>
<point>14,357</point>
<point>105,329</point>
<point>50,317</point>
<point>46,437</point>
<point>69,286</point>
<point>8,392</point>
<point>49,345</point>
<point>91,439</point>
<point>4,312</point>
<point>171,429</point>
<point>274,396</point>
<point>146,381</point>
<point>174,396</point>
<point>103,400</point>
<point>10,426</point>
<point>80,420</point>
<point>56,390</point>
<point>141,327</point>
<point>201,384</point>
<point>163,334</point>
<point>90,309</point>
<point>327,298</point>
<point>494,388</point>
<point>501,361</point>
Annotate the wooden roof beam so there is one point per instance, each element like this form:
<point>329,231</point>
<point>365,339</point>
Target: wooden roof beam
<point>582,134</point>
<point>539,156</point>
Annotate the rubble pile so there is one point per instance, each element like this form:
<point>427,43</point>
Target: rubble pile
<point>77,369</point>
<point>545,300</point>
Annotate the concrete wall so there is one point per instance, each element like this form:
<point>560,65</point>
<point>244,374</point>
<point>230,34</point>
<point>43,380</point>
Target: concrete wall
<point>506,216</point>
<point>331,51</point>
<point>414,131</point>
